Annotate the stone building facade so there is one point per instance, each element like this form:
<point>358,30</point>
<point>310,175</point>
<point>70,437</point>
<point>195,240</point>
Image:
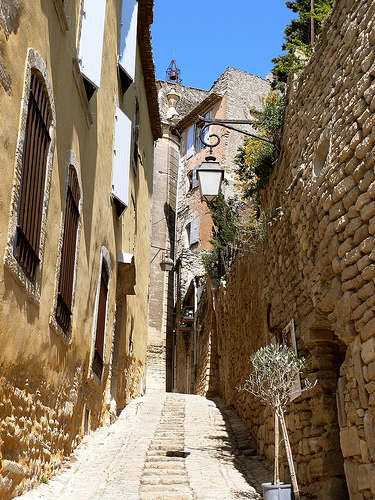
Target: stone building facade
<point>229,98</point>
<point>317,268</point>
<point>183,230</point>
<point>76,149</point>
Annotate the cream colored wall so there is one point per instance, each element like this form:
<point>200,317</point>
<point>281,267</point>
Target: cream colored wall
<point>46,383</point>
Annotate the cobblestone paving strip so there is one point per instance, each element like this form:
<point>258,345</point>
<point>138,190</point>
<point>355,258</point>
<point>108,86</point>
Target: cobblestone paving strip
<point>163,447</point>
<point>164,475</point>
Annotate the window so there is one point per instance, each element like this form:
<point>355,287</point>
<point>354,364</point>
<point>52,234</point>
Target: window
<point>30,208</point>
<point>193,179</point>
<point>192,232</point>
<point>68,253</point>
<point>190,142</point>
<point>98,362</point>
<point>198,129</point>
<point>128,43</point>
<point>24,253</point>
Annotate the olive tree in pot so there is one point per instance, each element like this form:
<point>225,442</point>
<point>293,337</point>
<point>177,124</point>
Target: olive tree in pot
<point>273,381</point>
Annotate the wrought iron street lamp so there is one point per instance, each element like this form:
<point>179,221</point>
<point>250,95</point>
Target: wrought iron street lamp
<point>210,174</point>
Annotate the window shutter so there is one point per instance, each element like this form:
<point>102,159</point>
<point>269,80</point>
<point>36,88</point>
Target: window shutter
<point>195,182</point>
<point>194,231</point>
<point>34,161</point>
<point>128,37</point>
<point>190,142</point>
<point>68,253</point>
<point>121,158</point>
<point>91,44</point>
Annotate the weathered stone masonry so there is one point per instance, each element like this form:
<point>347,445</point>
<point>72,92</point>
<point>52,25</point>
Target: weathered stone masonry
<point>318,267</point>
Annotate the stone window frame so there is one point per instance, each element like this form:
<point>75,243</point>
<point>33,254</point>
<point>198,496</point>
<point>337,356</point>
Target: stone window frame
<point>71,162</point>
<point>34,63</point>
<point>104,256</point>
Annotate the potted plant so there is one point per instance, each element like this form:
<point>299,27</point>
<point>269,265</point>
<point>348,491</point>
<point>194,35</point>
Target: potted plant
<point>273,381</point>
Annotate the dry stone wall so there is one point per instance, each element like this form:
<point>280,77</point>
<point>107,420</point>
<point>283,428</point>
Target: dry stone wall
<point>318,267</point>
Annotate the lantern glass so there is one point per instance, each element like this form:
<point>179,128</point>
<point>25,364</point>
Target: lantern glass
<point>210,177</point>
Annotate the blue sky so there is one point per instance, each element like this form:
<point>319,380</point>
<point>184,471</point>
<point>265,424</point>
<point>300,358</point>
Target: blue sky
<point>207,36</point>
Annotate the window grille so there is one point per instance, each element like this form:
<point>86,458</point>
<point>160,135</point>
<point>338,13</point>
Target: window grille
<point>34,161</point>
<point>100,328</point>
<point>65,292</point>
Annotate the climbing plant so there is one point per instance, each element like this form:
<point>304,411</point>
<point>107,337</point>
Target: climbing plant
<point>256,157</point>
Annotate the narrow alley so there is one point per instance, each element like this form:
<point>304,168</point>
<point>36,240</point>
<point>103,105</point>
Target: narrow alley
<point>163,446</point>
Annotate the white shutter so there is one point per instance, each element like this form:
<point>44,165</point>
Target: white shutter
<point>128,37</point>
<point>121,158</point>
<point>194,231</point>
<point>91,45</point>
<point>190,142</point>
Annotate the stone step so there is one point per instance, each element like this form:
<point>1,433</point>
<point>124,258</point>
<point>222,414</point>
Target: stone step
<point>164,480</point>
<point>150,495</point>
<point>164,488</point>
<point>163,471</point>
<point>160,464</point>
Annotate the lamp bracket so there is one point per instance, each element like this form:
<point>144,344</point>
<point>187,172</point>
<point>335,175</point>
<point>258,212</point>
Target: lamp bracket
<point>228,124</point>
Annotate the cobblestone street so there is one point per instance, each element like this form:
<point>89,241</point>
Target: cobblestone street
<point>163,446</point>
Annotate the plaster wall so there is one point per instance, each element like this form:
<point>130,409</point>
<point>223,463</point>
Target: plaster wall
<point>48,392</point>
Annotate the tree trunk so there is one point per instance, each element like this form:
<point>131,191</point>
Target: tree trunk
<point>289,456</point>
<point>276,477</point>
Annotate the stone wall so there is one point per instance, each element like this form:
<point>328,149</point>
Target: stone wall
<point>317,267</point>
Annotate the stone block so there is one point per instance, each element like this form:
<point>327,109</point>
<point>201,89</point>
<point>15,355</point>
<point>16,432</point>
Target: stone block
<point>368,350</point>
<point>350,442</point>
<point>361,234</point>
<point>367,245</point>
<point>351,473</point>
<point>369,428</point>
<point>368,272</point>
<point>371,370</point>
<point>363,478</point>
<point>368,330</point>
<point>358,373</point>
<point>371,474</point>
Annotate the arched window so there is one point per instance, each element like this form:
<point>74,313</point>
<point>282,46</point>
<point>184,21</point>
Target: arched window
<point>24,254</point>
<point>34,161</point>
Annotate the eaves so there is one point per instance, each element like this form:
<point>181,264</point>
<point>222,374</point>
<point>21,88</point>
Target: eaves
<point>201,109</point>
<point>145,19</point>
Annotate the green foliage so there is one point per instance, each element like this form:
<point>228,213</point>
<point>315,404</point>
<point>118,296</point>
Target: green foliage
<point>298,38</point>
<point>256,158</point>
<point>45,480</point>
<point>273,378</point>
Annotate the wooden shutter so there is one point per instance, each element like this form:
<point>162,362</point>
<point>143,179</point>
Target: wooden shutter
<point>194,231</point>
<point>121,157</point>
<point>190,142</point>
<point>34,161</point>
<point>128,36</point>
<point>68,253</point>
<point>100,326</point>
<point>91,44</point>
